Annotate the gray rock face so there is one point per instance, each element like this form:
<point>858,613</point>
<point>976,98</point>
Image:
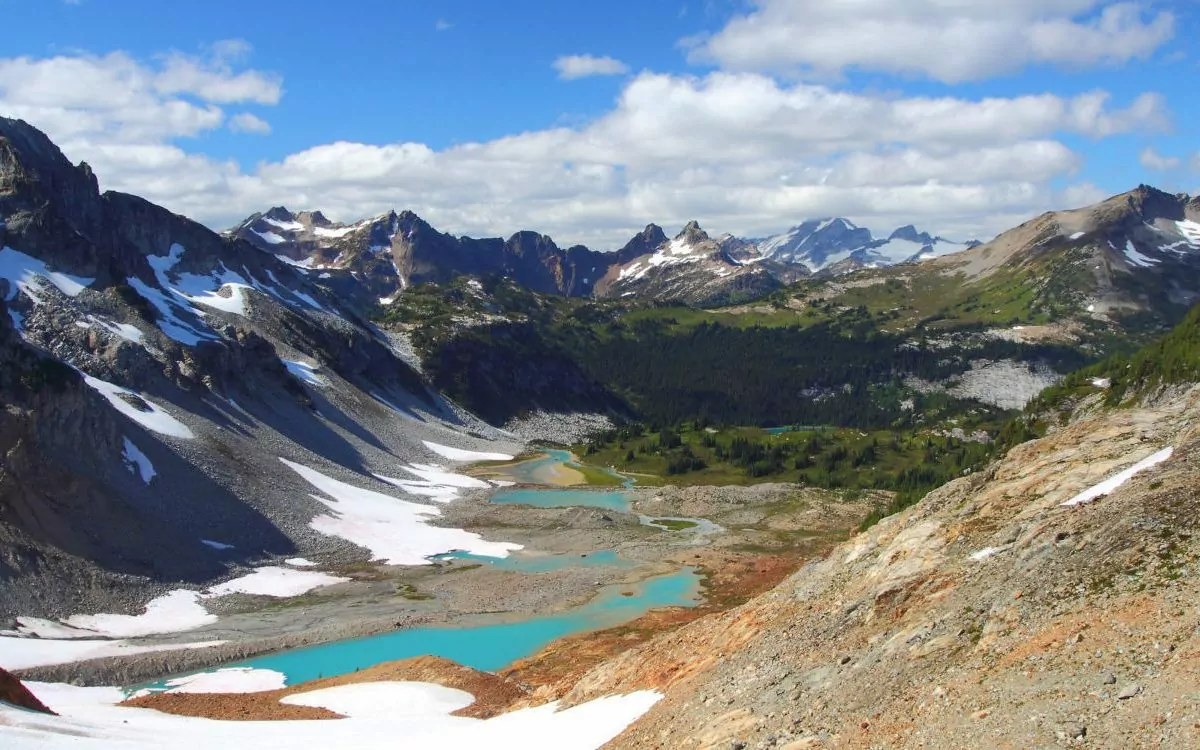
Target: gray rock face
<point>118,317</point>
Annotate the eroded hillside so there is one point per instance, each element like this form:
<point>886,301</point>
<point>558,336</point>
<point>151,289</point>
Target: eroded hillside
<point>989,609</point>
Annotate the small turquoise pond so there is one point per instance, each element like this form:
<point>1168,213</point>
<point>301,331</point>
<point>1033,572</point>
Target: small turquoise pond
<point>524,563</point>
<point>562,498</point>
<point>487,647</point>
<point>618,501</point>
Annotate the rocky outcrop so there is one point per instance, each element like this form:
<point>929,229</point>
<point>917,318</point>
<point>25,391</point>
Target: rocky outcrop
<point>989,609</point>
<point>16,694</point>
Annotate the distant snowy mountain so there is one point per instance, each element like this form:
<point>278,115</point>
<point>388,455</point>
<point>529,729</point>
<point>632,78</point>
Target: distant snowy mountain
<point>836,243</point>
<point>692,267</point>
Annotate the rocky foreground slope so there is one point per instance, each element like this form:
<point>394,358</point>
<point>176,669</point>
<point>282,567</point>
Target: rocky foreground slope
<point>989,610</point>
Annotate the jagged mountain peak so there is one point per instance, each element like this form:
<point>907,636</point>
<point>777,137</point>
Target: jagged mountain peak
<point>280,213</point>
<point>313,218</point>
<point>909,232</point>
<point>693,234</point>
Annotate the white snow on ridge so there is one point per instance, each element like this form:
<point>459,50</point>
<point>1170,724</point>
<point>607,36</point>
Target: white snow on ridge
<point>287,226</point>
<point>1190,231</point>
<point>123,330</point>
<point>380,715</point>
<point>1112,483</point>
<point>269,237</point>
<point>1077,235</point>
<point>1137,258</point>
<point>137,462</point>
<point>300,562</point>
<point>155,420</point>
<point>281,583</point>
<point>458,454</point>
<point>25,272</point>
<point>395,531</point>
<point>333,234</point>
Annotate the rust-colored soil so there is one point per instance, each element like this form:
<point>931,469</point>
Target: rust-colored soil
<point>493,694</point>
<point>12,691</point>
<point>732,578</point>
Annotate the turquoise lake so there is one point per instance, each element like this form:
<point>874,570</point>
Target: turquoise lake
<point>618,501</point>
<point>487,647</point>
<point>493,647</point>
<point>523,563</point>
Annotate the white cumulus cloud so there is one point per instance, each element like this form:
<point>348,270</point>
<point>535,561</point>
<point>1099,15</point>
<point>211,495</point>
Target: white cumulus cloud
<point>248,123</point>
<point>947,40</point>
<point>1152,160</point>
<point>570,67</point>
<point>742,152</point>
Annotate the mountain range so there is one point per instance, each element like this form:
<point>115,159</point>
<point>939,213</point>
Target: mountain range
<point>195,361</point>
<point>383,255</point>
<point>186,410</point>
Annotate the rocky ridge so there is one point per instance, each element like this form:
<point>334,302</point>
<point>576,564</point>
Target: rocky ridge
<point>987,609</point>
<point>146,357</point>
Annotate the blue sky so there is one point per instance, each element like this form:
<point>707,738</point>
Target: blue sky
<point>749,116</point>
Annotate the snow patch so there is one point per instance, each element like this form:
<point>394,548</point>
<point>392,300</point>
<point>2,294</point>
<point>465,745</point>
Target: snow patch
<point>381,700</point>
<point>1138,259</point>
<point>300,562</point>
<point>305,372</point>
<point>1112,483</point>
<point>155,420</point>
<point>458,454</point>
<point>1190,231</point>
<point>173,612</point>
<point>287,226</point>
<point>230,680</point>
<point>333,234</point>
<point>269,237</point>
<point>25,273</point>
<point>137,462</point>
<point>280,583</point>
<point>396,531</point>
<point>988,552</point>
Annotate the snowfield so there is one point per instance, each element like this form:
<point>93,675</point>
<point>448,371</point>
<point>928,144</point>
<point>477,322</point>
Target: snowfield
<point>231,680</point>
<point>26,653</point>
<point>380,715</point>
<point>458,454</point>
<point>397,532</point>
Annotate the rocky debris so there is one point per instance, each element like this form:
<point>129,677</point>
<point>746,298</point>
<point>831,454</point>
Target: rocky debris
<point>558,428</point>
<point>16,694</point>
<point>945,644</point>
